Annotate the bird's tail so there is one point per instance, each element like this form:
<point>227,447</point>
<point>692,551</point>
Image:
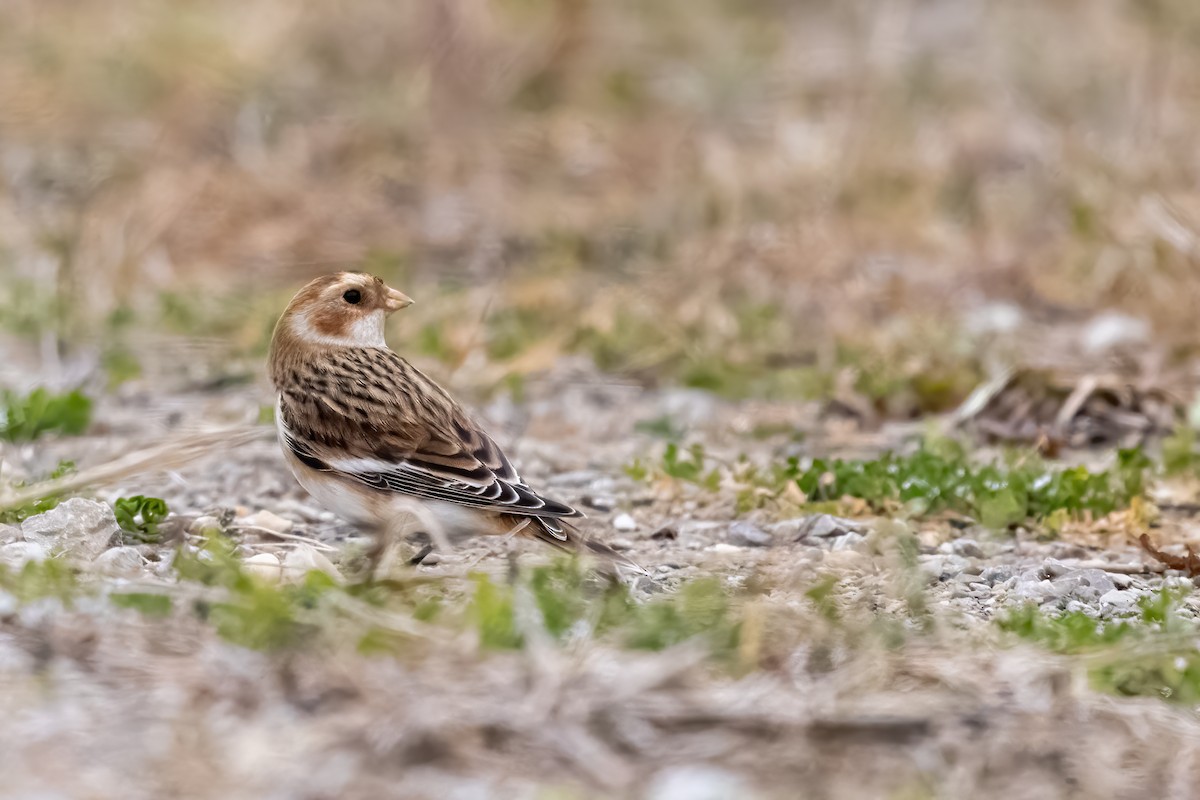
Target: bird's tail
<point>561,534</point>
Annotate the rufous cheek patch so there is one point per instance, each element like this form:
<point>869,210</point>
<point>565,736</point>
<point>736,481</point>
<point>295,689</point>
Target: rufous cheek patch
<point>328,321</point>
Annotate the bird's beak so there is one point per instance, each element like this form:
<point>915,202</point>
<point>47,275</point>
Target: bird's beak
<point>394,301</point>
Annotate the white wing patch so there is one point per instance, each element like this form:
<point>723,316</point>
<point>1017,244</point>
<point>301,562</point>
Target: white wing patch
<point>378,466</point>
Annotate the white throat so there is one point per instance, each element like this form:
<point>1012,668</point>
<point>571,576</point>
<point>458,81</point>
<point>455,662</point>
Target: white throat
<point>365,332</point>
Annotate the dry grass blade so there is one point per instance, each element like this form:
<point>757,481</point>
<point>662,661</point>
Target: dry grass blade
<point>289,538</point>
<point>165,456</point>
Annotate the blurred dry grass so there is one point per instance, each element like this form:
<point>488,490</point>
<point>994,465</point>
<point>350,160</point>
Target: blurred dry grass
<point>657,185</point>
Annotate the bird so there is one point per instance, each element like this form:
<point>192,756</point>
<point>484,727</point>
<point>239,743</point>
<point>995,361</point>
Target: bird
<point>374,440</point>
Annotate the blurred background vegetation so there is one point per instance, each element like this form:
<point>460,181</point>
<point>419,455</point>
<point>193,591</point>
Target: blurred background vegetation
<point>880,199</point>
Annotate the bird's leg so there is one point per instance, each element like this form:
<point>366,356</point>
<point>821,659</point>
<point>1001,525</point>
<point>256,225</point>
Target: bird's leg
<point>420,556</point>
<point>413,515</point>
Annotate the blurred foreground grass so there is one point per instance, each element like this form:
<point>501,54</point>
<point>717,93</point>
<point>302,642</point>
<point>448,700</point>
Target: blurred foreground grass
<point>739,626</point>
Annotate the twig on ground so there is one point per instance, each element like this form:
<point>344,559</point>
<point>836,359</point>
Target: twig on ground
<point>1189,563</point>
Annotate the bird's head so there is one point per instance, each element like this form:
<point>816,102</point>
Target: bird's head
<point>346,309</point>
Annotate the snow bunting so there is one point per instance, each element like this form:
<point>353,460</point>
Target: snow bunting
<point>372,438</point>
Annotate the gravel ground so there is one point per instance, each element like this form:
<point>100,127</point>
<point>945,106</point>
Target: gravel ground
<point>104,703</point>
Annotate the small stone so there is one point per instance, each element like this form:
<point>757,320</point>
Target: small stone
<point>77,527</point>
<point>747,534</point>
<point>1118,599</point>
<point>722,547</point>
<point>17,554</point>
<point>816,526</point>
<point>119,562</point>
<point>960,589</point>
<point>9,533</point>
<point>298,509</point>
<point>1069,550</point>
<point>599,502</point>
<point>620,544</point>
<point>647,584</point>
<point>941,566</point>
<point>1120,580</point>
<point>304,559</point>
<point>1040,591</point>
<point>968,548</point>
<point>432,559</point>
<point>847,541</point>
<point>929,541</point>
<point>1112,329</point>
<point>1053,568</point>
<point>1006,585</point>
<point>265,566</point>
<point>700,529</point>
<point>205,526</point>
<point>696,782</point>
<point>269,521</point>
<point>1084,584</point>
<point>625,523</point>
<point>996,574</point>
<point>1076,607</point>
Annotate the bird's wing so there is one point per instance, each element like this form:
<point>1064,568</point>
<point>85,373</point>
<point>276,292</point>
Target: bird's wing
<point>368,415</point>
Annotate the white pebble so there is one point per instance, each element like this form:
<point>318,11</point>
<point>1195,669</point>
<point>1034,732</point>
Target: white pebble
<point>119,562</point>
<point>305,559</point>
<point>697,782</point>
<point>265,566</point>
<point>204,526</point>
<point>625,523</point>
<point>269,521</point>
<point>1118,599</point>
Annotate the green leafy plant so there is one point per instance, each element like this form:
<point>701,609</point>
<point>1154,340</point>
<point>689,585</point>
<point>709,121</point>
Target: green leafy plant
<point>936,477</point>
<point>493,611</point>
<point>38,580</point>
<point>1179,451</point>
<point>139,516</point>
<point>148,603</point>
<point>997,495</point>
<point>684,464</point>
<point>27,417</point>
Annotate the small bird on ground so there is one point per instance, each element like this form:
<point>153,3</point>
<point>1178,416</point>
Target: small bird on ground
<point>374,440</point>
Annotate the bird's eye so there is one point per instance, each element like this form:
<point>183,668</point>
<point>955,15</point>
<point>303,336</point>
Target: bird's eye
<point>353,297</point>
